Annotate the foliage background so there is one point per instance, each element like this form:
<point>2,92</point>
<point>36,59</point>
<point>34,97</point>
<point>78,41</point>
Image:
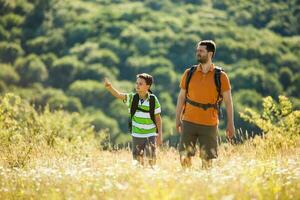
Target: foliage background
<point>57,52</point>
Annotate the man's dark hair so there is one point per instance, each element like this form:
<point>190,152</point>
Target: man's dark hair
<point>210,46</point>
<point>148,78</point>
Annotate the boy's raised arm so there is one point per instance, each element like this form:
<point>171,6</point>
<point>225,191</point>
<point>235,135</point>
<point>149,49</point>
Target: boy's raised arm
<point>112,90</point>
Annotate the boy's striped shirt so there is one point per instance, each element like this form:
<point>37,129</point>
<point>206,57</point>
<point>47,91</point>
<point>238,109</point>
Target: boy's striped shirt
<point>142,125</point>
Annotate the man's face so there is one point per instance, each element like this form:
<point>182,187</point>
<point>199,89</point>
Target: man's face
<point>141,86</point>
<point>202,54</point>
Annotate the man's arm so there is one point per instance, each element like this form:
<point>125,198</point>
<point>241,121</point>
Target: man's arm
<point>230,129</point>
<point>112,90</point>
<point>179,107</point>
<point>159,128</point>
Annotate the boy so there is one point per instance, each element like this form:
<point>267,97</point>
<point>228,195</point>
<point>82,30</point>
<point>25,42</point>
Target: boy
<point>145,122</point>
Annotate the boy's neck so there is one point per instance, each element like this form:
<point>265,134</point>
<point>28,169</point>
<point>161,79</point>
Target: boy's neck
<point>143,95</point>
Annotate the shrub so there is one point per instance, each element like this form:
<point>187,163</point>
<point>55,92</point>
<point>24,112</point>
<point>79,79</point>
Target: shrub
<point>24,132</point>
<point>279,123</point>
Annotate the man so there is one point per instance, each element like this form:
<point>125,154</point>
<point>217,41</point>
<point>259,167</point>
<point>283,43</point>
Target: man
<point>197,108</point>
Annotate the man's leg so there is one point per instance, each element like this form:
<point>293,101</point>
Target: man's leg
<point>206,163</point>
<point>187,144</point>
<point>208,140</point>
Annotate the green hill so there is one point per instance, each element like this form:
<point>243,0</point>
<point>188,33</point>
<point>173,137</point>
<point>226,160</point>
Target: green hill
<point>57,52</point>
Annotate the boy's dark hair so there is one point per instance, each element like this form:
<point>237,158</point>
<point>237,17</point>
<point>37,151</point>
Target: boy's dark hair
<point>210,46</point>
<point>148,78</point>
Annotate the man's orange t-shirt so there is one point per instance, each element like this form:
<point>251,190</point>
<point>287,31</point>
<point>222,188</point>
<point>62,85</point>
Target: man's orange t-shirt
<point>202,89</point>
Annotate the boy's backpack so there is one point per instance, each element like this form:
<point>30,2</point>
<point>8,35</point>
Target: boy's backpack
<point>134,107</point>
<point>217,78</point>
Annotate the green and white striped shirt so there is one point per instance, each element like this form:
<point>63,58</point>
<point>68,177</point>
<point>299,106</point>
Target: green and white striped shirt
<point>142,125</point>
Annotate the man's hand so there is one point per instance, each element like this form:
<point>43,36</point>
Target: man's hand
<point>230,130</point>
<point>178,126</point>
<point>107,83</point>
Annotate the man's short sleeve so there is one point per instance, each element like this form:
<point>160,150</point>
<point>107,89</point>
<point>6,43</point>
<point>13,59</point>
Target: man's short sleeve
<point>225,83</point>
<point>183,80</point>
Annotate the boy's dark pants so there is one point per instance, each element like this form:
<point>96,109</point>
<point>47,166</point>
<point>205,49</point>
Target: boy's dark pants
<point>144,145</point>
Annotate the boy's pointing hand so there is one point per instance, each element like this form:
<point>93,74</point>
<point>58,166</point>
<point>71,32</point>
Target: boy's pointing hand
<point>107,83</point>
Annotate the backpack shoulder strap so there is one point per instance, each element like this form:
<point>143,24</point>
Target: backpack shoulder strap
<point>189,76</point>
<point>152,108</point>
<point>134,105</point>
<point>217,77</point>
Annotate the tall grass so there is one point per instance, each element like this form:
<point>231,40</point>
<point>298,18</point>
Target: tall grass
<point>260,168</point>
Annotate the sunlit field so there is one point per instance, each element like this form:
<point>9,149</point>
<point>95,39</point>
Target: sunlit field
<point>240,172</point>
<point>58,155</point>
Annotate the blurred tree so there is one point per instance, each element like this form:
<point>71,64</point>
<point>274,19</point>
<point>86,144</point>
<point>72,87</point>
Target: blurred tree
<point>294,89</point>
<point>63,71</point>
<point>4,34</point>
<point>140,64</point>
<point>115,46</point>
<point>119,111</point>
<point>53,42</point>
<point>9,52</point>
<point>3,87</point>
<point>35,18</point>
<point>8,75</point>
<point>291,60</point>
<point>167,106</point>
<point>78,33</point>
<point>285,77</point>
<point>71,104</point>
<point>82,50</point>
<point>158,5</point>
<point>170,135</point>
<point>182,52</point>
<point>165,76</point>
<point>104,56</point>
<point>89,92</point>
<point>11,20</point>
<point>102,122</point>
<point>263,82</point>
<point>247,98</point>
<point>96,72</point>
<point>48,59</point>
<point>31,69</point>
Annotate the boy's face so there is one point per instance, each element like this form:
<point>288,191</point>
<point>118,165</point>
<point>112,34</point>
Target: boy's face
<point>141,86</point>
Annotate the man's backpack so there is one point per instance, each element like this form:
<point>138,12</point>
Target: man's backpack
<point>134,107</point>
<point>217,78</point>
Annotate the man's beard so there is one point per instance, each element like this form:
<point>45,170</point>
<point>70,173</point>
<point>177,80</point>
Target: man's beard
<point>202,60</point>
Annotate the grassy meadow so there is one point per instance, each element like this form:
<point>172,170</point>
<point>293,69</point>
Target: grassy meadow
<point>241,172</point>
<point>58,155</point>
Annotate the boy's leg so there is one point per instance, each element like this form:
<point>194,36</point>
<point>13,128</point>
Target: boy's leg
<point>138,146</point>
<point>187,146</point>
<point>151,150</point>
